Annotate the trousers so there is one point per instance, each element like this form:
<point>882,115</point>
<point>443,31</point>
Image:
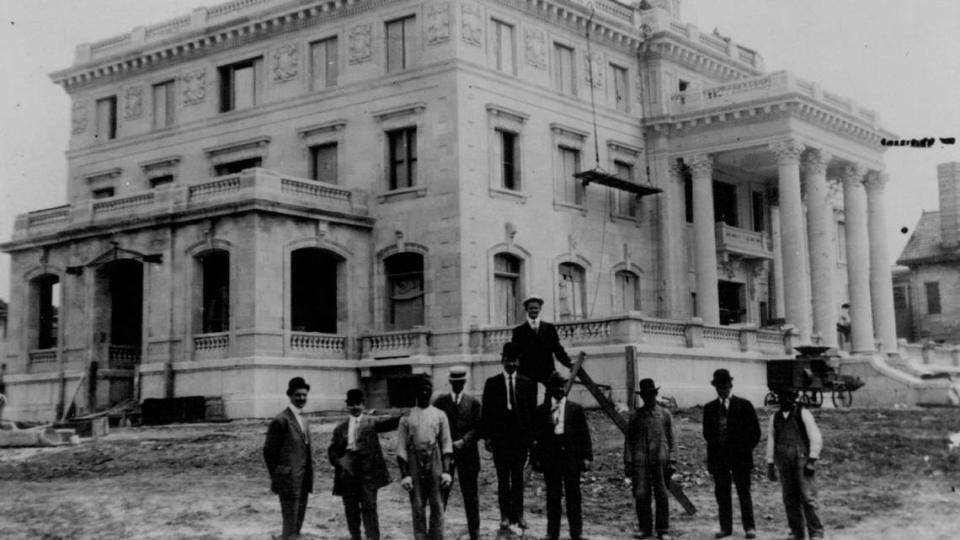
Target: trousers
<point>292,509</point>
<point>425,469</point>
<point>650,486</point>
<point>723,480</point>
<point>563,482</point>
<point>799,498</point>
<point>509,463</point>
<point>470,492</point>
<point>360,505</point>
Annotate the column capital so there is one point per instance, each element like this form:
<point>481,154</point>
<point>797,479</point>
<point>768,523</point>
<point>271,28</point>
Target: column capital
<point>853,174</point>
<point>675,170</point>
<point>701,165</point>
<point>875,181</point>
<point>788,151</point>
<point>815,161</point>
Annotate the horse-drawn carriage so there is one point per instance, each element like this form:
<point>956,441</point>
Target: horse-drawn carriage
<point>811,374</point>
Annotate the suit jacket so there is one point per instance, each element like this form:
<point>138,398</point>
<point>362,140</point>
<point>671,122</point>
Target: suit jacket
<point>288,455</point>
<point>743,434</point>
<point>568,450</point>
<point>504,428</point>
<point>537,350</point>
<point>367,461</point>
<point>464,422</point>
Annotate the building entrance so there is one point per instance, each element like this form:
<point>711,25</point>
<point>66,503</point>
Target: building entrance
<point>733,306</point>
<point>118,322</point>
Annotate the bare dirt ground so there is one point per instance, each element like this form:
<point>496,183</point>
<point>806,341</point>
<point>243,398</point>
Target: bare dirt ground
<point>883,474</point>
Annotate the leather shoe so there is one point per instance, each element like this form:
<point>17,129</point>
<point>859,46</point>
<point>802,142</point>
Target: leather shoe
<point>750,533</point>
<point>722,534</point>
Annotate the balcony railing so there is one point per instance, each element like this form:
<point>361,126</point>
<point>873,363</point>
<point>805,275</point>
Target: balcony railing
<point>317,343</point>
<point>124,356</point>
<point>211,342</point>
<point>749,244</point>
<point>43,356</point>
<point>251,185</point>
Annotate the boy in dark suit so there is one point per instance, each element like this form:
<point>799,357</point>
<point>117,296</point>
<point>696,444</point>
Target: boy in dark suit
<point>562,450</point>
<point>537,342</point>
<point>290,460</point>
<point>359,468</point>
<point>732,431</point>
<point>509,400</point>
<point>463,413</point>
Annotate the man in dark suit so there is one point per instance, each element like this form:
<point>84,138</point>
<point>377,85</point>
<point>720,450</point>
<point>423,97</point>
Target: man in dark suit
<point>562,450</point>
<point>732,431</point>
<point>509,401</point>
<point>359,468</point>
<point>463,413</point>
<point>289,459</point>
<point>537,342</point>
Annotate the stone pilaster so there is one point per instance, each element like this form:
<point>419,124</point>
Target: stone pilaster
<point>858,259</point>
<point>795,292</point>
<point>881,282</point>
<point>823,263</point>
<point>705,238</point>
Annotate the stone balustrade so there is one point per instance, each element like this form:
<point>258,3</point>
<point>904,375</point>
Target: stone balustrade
<point>251,185</point>
<point>43,357</point>
<point>211,342</point>
<point>124,356</point>
<point>396,344</point>
<point>318,343</point>
<point>931,354</point>
<point>752,244</point>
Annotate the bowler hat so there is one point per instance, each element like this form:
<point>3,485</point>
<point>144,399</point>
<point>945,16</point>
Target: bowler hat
<point>509,350</point>
<point>532,298</point>
<point>721,376</point>
<point>648,386</point>
<point>422,381</point>
<point>556,380</point>
<point>354,396</point>
<point>458,373</point>
<point>297,383</point>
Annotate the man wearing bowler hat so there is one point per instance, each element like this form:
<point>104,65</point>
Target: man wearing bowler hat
<point>732,431</point>
<point>648,460</point>
<point>358,464</point>
<point>290,460</point>
<point>537,343</point>
<point>463,414</point>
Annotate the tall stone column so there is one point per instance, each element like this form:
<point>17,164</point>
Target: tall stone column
<point>795,292</point>
<point>858,259</point>
<point>822,251</point>
<point>674,286</point>
<point>705,241</point>
<point>881,283</point>
<point>778,311</point>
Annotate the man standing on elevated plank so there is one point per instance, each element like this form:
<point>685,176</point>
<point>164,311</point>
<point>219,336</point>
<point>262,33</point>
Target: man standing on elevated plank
<point>537,343</point>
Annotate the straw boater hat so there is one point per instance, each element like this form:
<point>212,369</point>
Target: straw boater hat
<point>458,373</point>
<point>532,298</point>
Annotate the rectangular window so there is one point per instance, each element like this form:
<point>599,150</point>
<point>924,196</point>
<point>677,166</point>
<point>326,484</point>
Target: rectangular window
<point>688,196</point>
<point>103,193</point>
<point>236,167</point>
<point>238,85</point>
<point>106,128</point>
<point>503,49</point>
<point>402,157</point>
<point>569,165</point>
<point>759,223</point>
<point>619,87</point>
<point>682,85</point>
<point>324,162</point>
<point>509,160</point>
<point>564,78</point>
<point>725,203</point>
<point>626,201</point>
<point>900,298</point>
<point>401,44</point>
<point>323,62</point>
<point>164,106</point>
<point>158,181</point>
<point>933,297</point>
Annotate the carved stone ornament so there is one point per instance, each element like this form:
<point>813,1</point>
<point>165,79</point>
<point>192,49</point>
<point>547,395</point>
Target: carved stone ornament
<point>133,102</point>
<point>438,23</point>
<point>471,25</point>
<point>594,75</point>
<point>286,61</point>
<point>194,86</point>
<point>78,116</point>
<point>835,194</point>
<point>360,43</point>
<point>536,47</point>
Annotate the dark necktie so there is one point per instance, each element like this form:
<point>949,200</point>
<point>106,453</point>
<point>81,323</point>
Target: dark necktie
<point>510,395</point>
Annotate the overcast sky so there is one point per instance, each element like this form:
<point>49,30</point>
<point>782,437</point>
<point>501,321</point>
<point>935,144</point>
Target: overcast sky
<point>896,57</point>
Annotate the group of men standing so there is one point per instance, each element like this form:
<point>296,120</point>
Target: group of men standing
<point>439,440</point>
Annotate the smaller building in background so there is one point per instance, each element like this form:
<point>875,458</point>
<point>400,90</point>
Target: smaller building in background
<point>927,293</point>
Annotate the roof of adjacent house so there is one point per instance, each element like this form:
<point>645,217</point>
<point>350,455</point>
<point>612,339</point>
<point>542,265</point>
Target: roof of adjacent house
<point>925,245</point>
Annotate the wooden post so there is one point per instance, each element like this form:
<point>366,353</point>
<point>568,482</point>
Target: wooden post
<point>631,377</point>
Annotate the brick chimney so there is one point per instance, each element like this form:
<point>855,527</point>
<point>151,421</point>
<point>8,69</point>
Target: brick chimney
<point>948,179</point>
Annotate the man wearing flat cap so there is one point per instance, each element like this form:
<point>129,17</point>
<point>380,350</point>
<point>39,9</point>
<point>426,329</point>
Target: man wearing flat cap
<point>358,464</point>
<point>289,459</point>
<point>732,431</point>
<point>463,414</point>
<point>537,343</point>
<point>648,461</point>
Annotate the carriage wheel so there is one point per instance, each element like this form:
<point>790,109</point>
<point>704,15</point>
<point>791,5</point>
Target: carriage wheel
<point>770,399</point>
<point>812,398</point>
<point>842,398</point>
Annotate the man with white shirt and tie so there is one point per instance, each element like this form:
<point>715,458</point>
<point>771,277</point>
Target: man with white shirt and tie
<point>290,460</point>
<point>732,431</point>
<point>537,343</point>
<point>359,467</point>
<point>463,413</point>
<point>509,401</point>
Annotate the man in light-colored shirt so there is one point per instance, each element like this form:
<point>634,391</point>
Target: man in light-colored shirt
<point>793,447</point>
<point>425,455</point>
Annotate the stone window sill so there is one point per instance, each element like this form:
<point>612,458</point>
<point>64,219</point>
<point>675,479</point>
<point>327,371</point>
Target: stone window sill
<point>402,194</point>
<point>508,194</point>
<point>570,207</point>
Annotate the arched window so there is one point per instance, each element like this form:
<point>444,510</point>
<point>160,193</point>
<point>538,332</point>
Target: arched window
<point>215,287</point>
<point>507,289</point>
<point>572,293</point>
<point>626,292</point>
<point>405,306</point>
<point>314,290</point>
<point>46,300</point>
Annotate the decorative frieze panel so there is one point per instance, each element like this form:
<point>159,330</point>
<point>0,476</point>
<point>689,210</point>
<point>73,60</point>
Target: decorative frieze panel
<point>194,85</point>
<point>360,43</point>
<point>471,24</point>
<point>133,102</point>
<point>438,23</point>
<point>286,62</point>
<point>535,45</point>
<point>594,73</point>
<point>78,116</point>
